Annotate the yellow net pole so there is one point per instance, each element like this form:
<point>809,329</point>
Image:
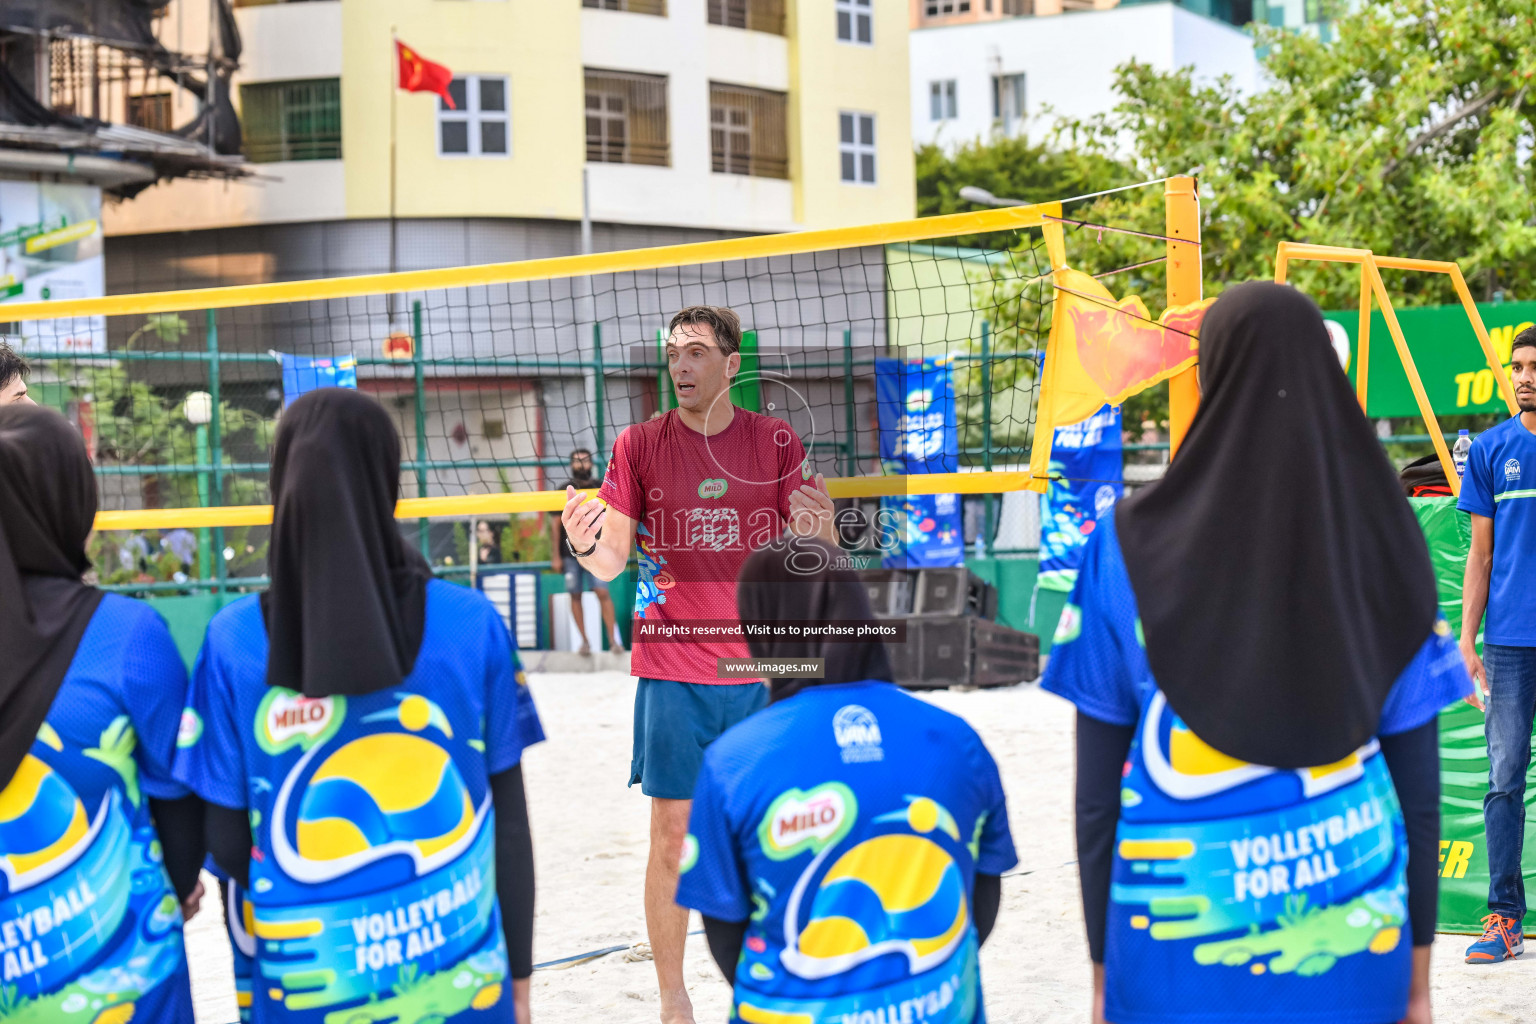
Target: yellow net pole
<point>1363,346</point>
<point>1182,222</point>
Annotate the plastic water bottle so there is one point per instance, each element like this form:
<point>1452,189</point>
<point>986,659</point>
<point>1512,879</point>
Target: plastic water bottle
<point>1459,452</point>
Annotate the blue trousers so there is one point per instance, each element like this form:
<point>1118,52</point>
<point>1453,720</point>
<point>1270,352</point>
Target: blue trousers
<point>1509,722</point>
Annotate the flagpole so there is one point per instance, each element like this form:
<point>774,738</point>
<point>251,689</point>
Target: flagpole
<point>394,87</point>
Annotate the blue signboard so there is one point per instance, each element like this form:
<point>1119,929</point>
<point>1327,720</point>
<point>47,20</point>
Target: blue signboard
<point>302,374</point>
<point>918,434</point>
<point>1087,473</point>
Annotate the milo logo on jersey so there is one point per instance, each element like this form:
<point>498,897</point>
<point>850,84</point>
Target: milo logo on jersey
<point>382,875</point>
<point>87,909</point>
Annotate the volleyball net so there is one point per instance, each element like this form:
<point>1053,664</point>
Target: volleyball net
<point>495,374</point>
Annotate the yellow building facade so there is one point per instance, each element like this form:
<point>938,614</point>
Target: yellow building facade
<point>711,116</point>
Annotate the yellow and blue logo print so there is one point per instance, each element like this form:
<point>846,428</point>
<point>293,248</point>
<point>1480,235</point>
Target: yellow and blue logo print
<point>1251,870</point>
<point>878,929</point>
<point>87,905</point>
<point>381,790</point>
<point>382,876</point>
<point>43,825</point>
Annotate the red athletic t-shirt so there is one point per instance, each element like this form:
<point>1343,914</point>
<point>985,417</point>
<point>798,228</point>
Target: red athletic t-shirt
<point>700,505</point>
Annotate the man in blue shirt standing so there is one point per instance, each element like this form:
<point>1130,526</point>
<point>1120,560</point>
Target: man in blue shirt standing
<point>1499,490</point>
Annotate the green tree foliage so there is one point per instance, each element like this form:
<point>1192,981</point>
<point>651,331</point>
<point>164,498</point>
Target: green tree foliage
<point>1410,133</point>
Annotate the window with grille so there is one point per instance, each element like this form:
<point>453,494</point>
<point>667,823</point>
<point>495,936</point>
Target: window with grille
<point>657,7</point>
<point>1018,7</point>
<point>152,111</point>
<point>855,22</point>
<point>941,100</point>
<point>856,147</point>
<point>748,131</point>
<point>478,124</point>
<point>294,120</point>
<point>941,8</point>
<point>754,15</point>
<point>627,118</point>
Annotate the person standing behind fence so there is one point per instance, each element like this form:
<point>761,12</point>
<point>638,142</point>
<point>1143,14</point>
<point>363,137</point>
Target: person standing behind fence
<point>100,846</point>
<point>577,578</point>
<point>360,741</point>
<point>13,377</point>
<point>695,490</point>
<point>846,843</point>
<point>1258,662</point>
<point>1499,492</point>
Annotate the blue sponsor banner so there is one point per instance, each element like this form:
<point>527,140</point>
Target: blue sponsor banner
<point>302,374</point>
<point>1087,469</point>
<point>915,399</point>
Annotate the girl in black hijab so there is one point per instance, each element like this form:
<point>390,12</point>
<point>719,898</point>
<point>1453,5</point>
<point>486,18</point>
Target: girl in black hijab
<point>915,789</point>
<point>1266,608</point>
<point>363,733</point>
<point>91,691</point>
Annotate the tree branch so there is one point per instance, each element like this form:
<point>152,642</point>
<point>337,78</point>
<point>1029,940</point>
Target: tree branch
<point>1469,110</point>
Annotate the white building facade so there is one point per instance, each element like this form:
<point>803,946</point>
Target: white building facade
<point>1020,76</point>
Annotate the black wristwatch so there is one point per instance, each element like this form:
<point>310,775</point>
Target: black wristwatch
<point>579,554</point>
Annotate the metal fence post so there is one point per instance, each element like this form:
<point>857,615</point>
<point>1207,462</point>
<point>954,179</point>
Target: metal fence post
<point>990,503</point>
<point>216,443</point>
<point>851,423</point>
<point>599,459</point>
<point>419,366</point>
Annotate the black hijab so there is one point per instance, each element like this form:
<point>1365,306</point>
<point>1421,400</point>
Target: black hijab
<point>47,506</point>
<point>348,600</point>
<point>1282,579</point>
<point>793,581</point>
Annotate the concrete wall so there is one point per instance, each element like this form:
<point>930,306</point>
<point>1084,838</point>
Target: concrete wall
<point>1069,62</point>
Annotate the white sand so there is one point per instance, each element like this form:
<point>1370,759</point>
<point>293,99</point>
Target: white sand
<point>591,834</point>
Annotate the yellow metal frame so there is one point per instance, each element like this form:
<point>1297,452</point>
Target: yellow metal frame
<point>1371,284</point>
<point>756,247</point>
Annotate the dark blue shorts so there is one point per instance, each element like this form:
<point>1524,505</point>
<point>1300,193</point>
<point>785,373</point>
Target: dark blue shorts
<point>674,722</point>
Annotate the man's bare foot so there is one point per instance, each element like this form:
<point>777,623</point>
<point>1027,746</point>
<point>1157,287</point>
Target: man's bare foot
<point>619,649</point>
<point>676,1008</point>
<point>586,649</point>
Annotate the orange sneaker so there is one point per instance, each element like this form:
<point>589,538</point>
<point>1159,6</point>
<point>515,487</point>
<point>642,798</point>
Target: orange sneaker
<point>1502,940</point>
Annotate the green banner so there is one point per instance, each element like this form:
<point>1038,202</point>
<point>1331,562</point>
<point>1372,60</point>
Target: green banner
<point>1445,349</point>
<point>1463,750</point>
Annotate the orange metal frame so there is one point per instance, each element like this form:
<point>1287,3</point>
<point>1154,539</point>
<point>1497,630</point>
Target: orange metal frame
<point>1371,284</point>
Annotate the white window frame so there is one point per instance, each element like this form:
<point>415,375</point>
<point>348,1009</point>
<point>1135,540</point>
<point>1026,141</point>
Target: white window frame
<point>473,117</point>
<point>941,100</point>
<point>857,13</point>
<point>858,148</point>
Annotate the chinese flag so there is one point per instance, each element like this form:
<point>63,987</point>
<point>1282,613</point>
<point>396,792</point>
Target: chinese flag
<point>417,74</point>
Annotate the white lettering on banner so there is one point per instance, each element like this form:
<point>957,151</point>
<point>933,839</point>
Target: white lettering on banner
<point>909,1011</point>
<point>405,933</point>
<point>1086,434</point>
<point>1262,861</point>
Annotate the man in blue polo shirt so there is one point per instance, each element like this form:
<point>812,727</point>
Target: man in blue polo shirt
<point>1499,490</point>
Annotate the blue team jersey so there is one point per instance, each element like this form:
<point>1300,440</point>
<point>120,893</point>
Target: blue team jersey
<point>89,924</point>
<point>1496,485</point>
<point>372,878</point>
<point>1240,892</point>
<point>848,823</point>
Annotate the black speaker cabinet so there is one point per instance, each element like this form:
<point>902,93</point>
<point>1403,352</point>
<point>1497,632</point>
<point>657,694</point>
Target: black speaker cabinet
<point>890,592</point>
<point>955,591</point>
<point>960,650</point>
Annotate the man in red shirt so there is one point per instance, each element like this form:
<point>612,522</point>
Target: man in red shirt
<point>699,488</point>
